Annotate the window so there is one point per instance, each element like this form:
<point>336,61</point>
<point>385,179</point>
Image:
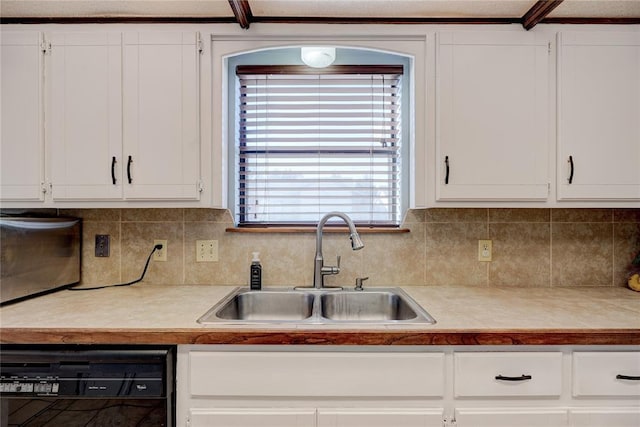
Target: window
<point>311,142</point>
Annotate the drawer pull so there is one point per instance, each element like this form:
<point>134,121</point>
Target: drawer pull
<point>520,378</point>
<point>628,377</point>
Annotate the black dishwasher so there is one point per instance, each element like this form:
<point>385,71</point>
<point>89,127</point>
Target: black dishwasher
<point>87,385</point>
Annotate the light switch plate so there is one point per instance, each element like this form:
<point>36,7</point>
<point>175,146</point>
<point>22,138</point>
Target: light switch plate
<point>102,245</point>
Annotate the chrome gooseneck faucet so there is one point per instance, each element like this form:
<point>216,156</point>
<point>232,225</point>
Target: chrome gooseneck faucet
<point>320,270</point>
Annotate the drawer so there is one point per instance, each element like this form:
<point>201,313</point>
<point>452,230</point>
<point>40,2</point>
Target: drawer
<point>243,417</point>
<point>380,417</point>
<point>598,417</point>
<point>508,374</point>
<point>339,374</point>
<point>606,374</point>
<point>511,417</point>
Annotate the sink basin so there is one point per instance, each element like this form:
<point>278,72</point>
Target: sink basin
<point>318,306</point>
<point>262,306</point>
<point>366,306</point>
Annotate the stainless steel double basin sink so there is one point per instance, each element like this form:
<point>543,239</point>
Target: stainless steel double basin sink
<point>324,306</point>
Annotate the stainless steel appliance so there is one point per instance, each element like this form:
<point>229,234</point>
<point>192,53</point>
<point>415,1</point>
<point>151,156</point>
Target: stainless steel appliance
<point>71,386</point>
<point>37,255</point>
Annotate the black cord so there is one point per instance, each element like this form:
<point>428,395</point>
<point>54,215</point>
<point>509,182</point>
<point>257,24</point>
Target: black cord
<point>146,265</point>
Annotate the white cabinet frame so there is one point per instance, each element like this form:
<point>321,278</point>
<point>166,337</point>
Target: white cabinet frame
<point>234,381</point>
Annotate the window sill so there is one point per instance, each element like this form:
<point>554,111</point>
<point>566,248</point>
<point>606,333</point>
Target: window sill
<point>312,229</point>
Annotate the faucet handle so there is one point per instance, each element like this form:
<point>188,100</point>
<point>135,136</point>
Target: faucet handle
<point>359,281</point>
<point>330,269</point>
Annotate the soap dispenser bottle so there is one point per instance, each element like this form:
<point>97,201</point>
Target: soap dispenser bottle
<point>255,278</point>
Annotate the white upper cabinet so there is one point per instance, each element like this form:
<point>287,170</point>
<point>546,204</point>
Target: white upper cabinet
<point>124,111</point>
<point>21,144</point>
<point>161,124</point>
<point>84,115</point>
<point>492,116</point>
<point>599,116</point>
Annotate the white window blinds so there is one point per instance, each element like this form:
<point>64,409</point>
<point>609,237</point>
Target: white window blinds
<point>311,143</point>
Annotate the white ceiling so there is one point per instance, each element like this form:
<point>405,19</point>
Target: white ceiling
<point>316,8</point>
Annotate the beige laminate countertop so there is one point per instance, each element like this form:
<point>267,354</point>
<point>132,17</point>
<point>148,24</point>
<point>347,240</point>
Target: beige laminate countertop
<point>156,314</point>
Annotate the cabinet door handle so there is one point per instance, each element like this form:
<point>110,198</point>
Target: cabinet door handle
<point>446,175</point>
<point>129,169</point>
<point>520,378</point>
<point>571,170</point>
<point>628,377</point>
<point>113,170</point>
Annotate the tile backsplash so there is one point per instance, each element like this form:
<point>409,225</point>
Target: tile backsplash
<point>531,248</point>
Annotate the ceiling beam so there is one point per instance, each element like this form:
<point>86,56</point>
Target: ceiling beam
<point>593,21</point>
<point>538,12</point>
<point>304,20</point>
<point>118,20</point>
<point>360,20</point>
<point>242,11</point>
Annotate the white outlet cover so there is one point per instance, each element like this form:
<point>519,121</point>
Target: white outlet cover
<point>206,250</point>
<point>160,255</point>
<point>484,250</point>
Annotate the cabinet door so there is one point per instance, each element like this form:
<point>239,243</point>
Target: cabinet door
<point>510,417</point>
<point>161,110</point>
<point>606,374</point>
<point>85,110</point>
<point>85,115</point>
<point>250,417</point>
<point>492,135</point>
<point>599,116</point>
<point>380,417</point>
<point>21,146</point>
<point>611,417</point>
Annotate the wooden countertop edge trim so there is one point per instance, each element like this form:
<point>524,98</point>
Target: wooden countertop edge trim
<point>312,230</point>
<point>320,337</point>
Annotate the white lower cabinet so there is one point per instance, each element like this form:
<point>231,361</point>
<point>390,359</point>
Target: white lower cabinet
<point>366,417</point>
<point>508,374</point>
<point>311,417</point>
<point>252,417</point>
<point>510,417</point>
<point>504,378</point>
<point>610,417</point>
<point>338,388</point>
<point>606,374</point>
<point>316,374</point>
<point>599,376</point>
<point>439,386</point>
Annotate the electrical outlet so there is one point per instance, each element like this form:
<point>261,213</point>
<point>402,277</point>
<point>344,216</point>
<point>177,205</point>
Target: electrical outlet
<point>102,245</point>
<point>206,250</point>
<point>484,250</point>
<point>161,254</point>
